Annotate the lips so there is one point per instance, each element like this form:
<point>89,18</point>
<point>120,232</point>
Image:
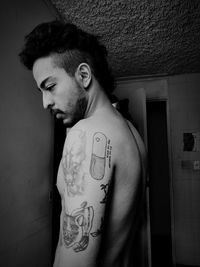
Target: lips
<point>55,112</point>
<point>60,115</point>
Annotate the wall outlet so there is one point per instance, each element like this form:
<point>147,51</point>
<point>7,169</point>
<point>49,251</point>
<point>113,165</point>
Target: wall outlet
<point>196,165</point>
<point>190,165</point>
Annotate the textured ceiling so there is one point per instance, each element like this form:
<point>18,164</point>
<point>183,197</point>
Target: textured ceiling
<point>143,37</point>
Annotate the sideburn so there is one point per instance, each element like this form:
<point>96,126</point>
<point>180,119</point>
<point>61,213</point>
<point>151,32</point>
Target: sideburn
<point>81,108</point>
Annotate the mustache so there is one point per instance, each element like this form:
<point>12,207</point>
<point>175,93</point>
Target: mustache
<point>56,111</point>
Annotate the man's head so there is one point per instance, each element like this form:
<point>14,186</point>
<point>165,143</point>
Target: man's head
<point>71,46</point>
<point>64,60</point>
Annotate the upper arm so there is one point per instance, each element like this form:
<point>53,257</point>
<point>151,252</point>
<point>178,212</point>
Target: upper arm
<point>87,168</point>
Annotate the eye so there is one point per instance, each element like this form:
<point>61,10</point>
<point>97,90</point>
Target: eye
<point>50,87</point>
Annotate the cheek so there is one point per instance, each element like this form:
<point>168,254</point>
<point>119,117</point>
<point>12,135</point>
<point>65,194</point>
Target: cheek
<point>68,97</point>
<point>65,101</point>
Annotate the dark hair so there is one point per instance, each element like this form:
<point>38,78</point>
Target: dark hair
<point>71,46</point>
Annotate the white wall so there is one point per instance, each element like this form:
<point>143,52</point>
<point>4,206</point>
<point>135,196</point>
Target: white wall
<point>183,95</point>
<point>184,100</point>
<point>26,140</point>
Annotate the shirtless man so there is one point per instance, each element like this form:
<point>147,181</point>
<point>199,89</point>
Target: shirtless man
<point>103,161</point>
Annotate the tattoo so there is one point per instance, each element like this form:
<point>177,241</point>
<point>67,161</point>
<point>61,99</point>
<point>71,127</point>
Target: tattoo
<point>72,163</point>
<point>108,154</point>
<point>98,231</point>
<point>77,227</point>
<point>104,187</point>
<point>98,158</point>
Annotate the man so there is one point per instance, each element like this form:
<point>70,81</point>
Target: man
<point>100,173</point>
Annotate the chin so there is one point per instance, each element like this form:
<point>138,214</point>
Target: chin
<point>69,122</point>
<point>72,118</point>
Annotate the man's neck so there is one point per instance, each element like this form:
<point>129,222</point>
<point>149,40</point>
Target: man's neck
<point>97,101</point>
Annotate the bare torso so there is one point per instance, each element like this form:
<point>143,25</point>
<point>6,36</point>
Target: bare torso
<point>100,183</point>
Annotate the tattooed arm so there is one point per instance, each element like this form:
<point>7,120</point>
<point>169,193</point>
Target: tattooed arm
<point>86,170</point>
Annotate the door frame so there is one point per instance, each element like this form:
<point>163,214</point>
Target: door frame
<point>171,184</point>
<point>156,89</point>
<point>171,189</point>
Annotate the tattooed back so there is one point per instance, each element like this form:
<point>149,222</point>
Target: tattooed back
<point>100,183</point>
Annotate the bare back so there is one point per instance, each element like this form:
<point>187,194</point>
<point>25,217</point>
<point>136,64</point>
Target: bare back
<point>100,182</point>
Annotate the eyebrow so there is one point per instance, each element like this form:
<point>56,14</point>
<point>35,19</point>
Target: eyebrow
<point>43,83</point>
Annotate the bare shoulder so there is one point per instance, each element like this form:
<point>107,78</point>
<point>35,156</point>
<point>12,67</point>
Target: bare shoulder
<point>118,135</point>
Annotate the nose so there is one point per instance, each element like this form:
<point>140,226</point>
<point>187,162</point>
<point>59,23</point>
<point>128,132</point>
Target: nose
<point>47,100</point>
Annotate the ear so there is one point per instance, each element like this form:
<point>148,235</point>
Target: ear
<point>83,75</point>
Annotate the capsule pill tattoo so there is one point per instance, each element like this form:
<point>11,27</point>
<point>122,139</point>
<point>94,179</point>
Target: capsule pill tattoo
<point>98,158</point>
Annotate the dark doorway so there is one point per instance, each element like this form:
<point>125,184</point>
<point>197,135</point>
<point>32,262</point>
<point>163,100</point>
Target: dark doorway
<point>59,138</point>
<point>159,184</point>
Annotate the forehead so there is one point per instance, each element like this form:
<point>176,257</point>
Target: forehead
<point>44,68</point>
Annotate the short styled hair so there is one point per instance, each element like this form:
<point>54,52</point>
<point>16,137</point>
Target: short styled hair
<point>71,46</point>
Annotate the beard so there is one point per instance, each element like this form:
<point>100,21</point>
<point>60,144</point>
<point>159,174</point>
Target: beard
<point>77,111</point>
